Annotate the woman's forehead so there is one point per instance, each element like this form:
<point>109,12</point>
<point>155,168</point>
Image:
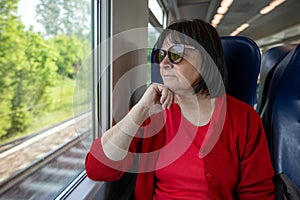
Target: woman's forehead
<point>177,38</point>
<point>167,42</point>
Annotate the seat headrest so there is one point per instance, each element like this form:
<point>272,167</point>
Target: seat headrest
<point>242,58</point>
<point>284,116</point>
<point>269,62</point>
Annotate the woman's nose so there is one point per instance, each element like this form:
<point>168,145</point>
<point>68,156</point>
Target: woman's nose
<point>165,63</point>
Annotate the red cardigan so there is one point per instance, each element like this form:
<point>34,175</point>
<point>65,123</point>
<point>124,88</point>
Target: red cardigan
<point>237,167</point>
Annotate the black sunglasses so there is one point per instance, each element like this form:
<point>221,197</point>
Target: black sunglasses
<point>175,53</point>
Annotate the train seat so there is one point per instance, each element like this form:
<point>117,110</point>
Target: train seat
<point>282,116</point>
<point>242,58</point>
<point>269,62</point>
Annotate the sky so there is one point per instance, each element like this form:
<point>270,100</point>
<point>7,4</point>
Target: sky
<point>26,10</point>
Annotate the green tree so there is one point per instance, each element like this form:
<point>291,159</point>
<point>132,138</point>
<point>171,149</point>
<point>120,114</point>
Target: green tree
<point>31,78</point>
<point>71,53</point>
<point>67,25</point>
<point>27,68</point>
<point>41,72</point>
<point>69,17</point>
<point>11,56</point>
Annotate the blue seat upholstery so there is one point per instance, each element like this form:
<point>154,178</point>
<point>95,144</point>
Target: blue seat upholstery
<point>282,116</point>
<point>269,62</point>
<point>242,58</point>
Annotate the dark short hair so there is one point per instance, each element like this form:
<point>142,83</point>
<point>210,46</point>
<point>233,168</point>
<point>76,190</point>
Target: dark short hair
<point>207,38</point>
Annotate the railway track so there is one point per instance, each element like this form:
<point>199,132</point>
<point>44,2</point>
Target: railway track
<point>50,172</point>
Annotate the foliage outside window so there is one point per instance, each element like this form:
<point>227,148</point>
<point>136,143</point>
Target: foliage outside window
<point>35,67</point>
<point>45,79</point>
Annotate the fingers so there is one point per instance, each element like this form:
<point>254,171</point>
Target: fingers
<point>167,96</point>
<point>159,95</point>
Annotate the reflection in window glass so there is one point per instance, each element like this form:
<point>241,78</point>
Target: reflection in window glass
<point>156,10</point>
<point>45,95</point>
<point>153,35</point>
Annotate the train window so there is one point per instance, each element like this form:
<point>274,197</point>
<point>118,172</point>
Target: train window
<point>46,95</point>
<point>157,20</point>
<point>156,10</point>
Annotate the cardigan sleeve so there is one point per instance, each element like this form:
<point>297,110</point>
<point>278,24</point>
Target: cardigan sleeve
<point>100,168</point>
<point>256,171</point>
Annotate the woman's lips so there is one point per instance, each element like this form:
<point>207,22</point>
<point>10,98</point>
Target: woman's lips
<point>169,76</point>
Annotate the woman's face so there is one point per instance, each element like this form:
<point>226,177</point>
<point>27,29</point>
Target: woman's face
<point>180,77</point>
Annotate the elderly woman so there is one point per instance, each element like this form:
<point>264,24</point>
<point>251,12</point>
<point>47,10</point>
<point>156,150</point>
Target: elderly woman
<point>186,138</point>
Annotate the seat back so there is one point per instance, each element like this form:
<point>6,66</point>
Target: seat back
<point>242,58</point>
<point>282,116</point>
<point>269,62</point>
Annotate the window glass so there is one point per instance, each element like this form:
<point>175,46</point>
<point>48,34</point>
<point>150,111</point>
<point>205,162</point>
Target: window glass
<point>156,10</point>
<point>45,95</point>
<point>153,35</point>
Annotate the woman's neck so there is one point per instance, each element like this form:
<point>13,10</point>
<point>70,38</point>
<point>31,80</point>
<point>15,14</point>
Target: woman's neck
<point>197,109</point>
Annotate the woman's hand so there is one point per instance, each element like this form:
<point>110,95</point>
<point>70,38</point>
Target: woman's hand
<point>156,98</point>
<point>116,141</point>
